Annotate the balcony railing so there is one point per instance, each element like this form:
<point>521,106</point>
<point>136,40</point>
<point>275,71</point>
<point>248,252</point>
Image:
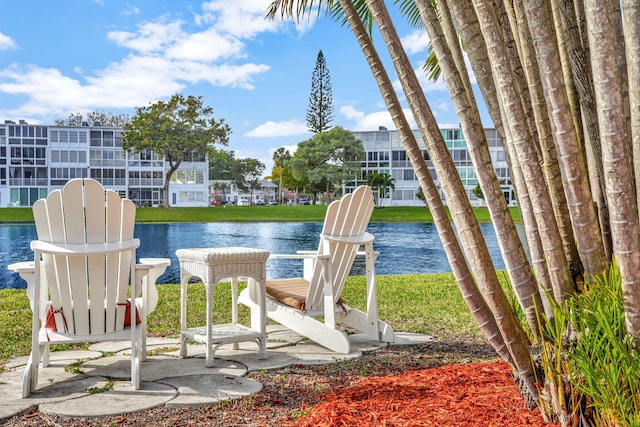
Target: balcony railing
<point>30,182</point>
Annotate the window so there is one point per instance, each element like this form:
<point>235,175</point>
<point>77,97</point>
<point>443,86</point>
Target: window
<point>453,134</point>
<point>460,156</point>
<point>186,177</point>
<point>399,155</point>
<point>191,196</point>
<point>409,175</point>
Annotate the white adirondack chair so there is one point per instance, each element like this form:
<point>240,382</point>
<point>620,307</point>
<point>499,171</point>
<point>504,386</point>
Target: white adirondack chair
<point>297,302</point>
<point>84,276</point>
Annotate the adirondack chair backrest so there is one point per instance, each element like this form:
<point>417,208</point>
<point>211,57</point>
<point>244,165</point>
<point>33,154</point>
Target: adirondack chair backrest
<point>347,217</point>
<point>88,293</point>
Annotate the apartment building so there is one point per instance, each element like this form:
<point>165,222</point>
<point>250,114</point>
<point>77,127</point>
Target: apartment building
<point>37,159</point>
<point>385,153</point>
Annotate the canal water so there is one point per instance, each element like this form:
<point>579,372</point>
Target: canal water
<point>405,248</point>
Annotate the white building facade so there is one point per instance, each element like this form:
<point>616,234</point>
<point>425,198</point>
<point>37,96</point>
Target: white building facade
<point>37,159</point>
<point>386,154</point>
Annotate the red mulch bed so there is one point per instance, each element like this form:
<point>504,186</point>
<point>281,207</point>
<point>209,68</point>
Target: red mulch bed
<point>479,394</point>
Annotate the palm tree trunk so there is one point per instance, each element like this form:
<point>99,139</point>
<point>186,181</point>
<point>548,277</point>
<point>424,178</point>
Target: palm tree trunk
<point>472,296</point>
<point>552,242</point>
<point>616,156</point>
<point>469,30</point>
<point>461,210</point>
<point>513,253</point>
<point>572,162</point>
<point>578,52</point>
<point>631,11</point>
<point>549,159</point>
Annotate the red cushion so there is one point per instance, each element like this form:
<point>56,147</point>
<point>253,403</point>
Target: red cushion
<point>50,321</point>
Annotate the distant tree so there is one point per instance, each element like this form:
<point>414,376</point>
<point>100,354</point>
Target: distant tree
<point>180,129</point>
<point>320,111</point>
<point>420,195</point>
<point>104,119</point>
<point>380,181</point>
<point>280,156</point>
<point>108,119</point>
<point>477,191</point>
<point>221,164</point>
<point>246,175</point>
<point>74,119</point>
<point>327,159</point>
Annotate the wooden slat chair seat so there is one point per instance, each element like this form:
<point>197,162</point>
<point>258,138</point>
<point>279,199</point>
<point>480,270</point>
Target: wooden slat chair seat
<point>296,302</point>
<point>84,275</point>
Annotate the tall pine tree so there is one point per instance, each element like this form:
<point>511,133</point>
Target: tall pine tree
<point>320,111</point>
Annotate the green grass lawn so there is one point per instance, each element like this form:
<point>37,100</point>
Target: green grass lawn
<point>260,213</point>
<point>422,303</point>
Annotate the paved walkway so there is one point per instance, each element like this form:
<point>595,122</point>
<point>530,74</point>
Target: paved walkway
<point>101,387</point>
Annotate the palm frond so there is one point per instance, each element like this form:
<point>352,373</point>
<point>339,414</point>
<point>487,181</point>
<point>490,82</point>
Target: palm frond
<point>297,9</point>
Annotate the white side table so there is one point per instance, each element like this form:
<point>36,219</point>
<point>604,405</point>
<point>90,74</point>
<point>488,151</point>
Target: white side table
<point>212,265</point>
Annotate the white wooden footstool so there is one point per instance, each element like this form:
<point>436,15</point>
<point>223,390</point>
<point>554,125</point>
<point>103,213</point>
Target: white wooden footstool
<point>212,265</point>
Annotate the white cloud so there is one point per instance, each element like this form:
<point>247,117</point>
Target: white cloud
<point>415,42</point>
<point>273,129</point>
<point>6,42</point>
<point>131,10</point>
<point>443,106</point>
<point>240,18</point>
<point>372,121</point>
<point>208,45</point>
<point>150,37</point>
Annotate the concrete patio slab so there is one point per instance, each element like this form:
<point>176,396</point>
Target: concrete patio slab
<point>57,358</point>
<point>207,390</point>
<point>158,367</point>
<point>121,399</point>
<point>71,389</point>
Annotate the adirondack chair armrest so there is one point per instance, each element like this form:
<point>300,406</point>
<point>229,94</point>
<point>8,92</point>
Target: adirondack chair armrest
<point>26,270</point>
<point>360,239</point>
<point>83,249</point>
<point>147,272</point>
<point>307,252</point>
<point>299,255</point>
<point>22,267</point>
<point>364,253</point>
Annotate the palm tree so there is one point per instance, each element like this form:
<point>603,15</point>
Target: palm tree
<point>380,181</point>
<point>280,156</point>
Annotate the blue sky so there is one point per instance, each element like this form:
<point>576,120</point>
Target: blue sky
<point>67,56</point>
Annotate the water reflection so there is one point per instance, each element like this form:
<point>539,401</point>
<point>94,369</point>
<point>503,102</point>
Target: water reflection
<point>405,248</point>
